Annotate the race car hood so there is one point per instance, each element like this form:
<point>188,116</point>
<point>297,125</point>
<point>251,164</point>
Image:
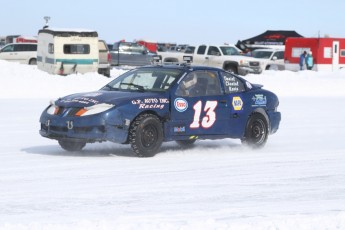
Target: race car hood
<point>81,100</point>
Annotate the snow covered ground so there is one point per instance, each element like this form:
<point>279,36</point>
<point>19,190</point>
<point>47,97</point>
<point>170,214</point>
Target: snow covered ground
<point>296,182</point>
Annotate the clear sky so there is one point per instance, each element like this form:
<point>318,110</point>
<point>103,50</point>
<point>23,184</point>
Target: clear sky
<point>178,21</point>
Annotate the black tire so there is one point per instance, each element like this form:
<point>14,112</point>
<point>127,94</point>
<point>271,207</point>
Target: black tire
<point>231,69</point>
<point>256,133</point>
<point>33,61</point>
<point>104,72</point>
<point>107,73</point>
<point>186,143</point>
<point>72,146</point>
<point>146,135</point>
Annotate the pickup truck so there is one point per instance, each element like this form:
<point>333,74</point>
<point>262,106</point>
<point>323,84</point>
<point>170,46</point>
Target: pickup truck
<point>271,59</point>
<point>104,59</point>
<point>130,53</point>
<point>227,57</point>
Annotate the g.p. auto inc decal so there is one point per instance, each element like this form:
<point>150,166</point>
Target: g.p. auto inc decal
<point>151,103</point>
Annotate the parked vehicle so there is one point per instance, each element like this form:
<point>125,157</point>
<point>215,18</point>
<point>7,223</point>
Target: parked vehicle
<point>24,53</point>
<point>67,51</point>
<point>328,53</point>
<point>110,46</point>
<point>227,57</point>
<point>150,45</point>
<point>178,48</point>
<point>130,53</point>
<point>153,104</point>
<point>11,38</point>
<point>270,59</point>
<point>104,60</point>
<point>27,39</point>
<point>164,47</point>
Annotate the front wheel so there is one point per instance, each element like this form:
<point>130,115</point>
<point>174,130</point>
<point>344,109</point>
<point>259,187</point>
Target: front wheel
<point>256,133</point>
<point>146,135</point>
<point>72,146</point>
<point>231,69</point>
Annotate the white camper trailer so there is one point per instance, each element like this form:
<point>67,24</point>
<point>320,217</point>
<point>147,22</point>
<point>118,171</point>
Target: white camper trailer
<point>67,51</point>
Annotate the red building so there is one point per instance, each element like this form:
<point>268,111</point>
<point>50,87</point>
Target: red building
<point>328,53</point>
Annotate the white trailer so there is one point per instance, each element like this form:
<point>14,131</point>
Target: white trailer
<point>67,51</point>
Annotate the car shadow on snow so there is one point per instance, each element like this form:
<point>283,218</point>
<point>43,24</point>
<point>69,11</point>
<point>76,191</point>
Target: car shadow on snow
<point>124,150</point>
<point>90,150</point>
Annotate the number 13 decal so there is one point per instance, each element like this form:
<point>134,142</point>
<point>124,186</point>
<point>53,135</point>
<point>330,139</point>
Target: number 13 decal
<point>210,117</point>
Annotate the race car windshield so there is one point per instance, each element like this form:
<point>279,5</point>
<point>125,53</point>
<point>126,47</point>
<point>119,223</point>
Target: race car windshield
<point>145,80</point>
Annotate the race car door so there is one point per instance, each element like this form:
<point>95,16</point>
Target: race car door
<point>199,106</point>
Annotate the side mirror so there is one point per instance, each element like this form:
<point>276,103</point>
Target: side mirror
<point>274,58</point>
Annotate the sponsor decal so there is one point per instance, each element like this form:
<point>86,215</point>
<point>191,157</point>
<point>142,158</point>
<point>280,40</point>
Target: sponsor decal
<point>150,103</point>
<point>259,100</point>
<point>179,129</point>
<point>95,94</point>
<point>180,104</point>
<point>81,100</point>
<point>237,103</point>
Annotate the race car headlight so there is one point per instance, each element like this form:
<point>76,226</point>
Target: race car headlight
<point>99,108</point>
<point>52,109</point>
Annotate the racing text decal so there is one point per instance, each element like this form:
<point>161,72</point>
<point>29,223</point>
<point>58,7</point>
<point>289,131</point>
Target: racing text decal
<point>81,100</point>
<point>151,103</point>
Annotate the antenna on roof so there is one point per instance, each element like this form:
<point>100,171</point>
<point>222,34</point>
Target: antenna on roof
<point>46,18</point>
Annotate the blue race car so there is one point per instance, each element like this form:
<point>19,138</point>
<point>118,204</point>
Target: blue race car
<point>153,104</point>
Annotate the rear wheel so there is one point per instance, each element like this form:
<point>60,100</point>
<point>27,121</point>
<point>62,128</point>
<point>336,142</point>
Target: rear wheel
<point>71,145</point>
<point>146,135</point>
<point>256,133</point>
<point>33,61</point>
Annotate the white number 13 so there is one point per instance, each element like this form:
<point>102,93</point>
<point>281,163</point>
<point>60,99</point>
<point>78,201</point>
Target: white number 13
<point>210,117</point>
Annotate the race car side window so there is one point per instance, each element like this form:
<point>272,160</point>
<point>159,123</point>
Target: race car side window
<point>232,84</point>
<point>199,83</point>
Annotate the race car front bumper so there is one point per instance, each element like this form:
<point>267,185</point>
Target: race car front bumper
<point>94,128</point>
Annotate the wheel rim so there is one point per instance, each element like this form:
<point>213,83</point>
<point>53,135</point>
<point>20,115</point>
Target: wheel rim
<point>258,131</point>
<point>149,136</point>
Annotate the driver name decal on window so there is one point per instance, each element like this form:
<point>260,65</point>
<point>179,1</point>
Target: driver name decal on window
<point>232,83</point>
